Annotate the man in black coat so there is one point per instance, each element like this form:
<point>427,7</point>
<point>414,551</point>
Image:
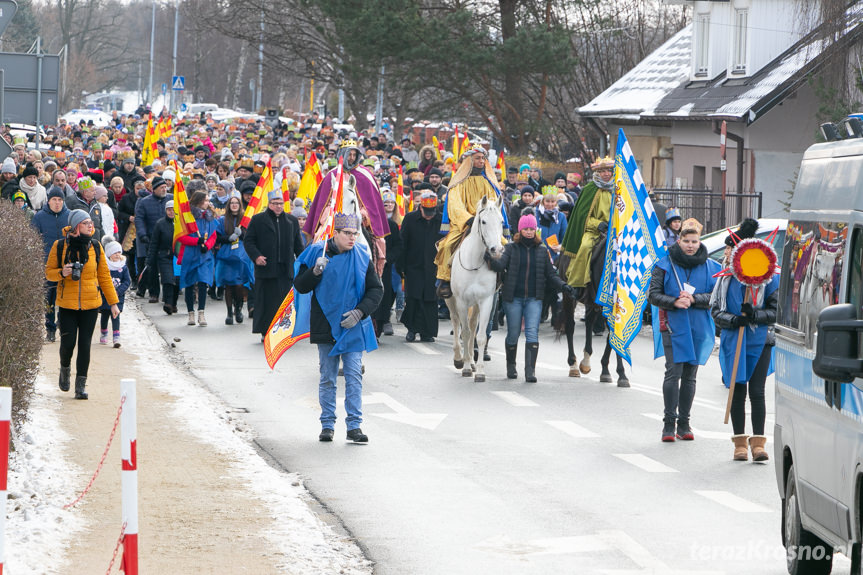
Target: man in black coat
<point>394,250</point>
<point>160,256</point>
<point>420,232</point>
<point>272,242</point>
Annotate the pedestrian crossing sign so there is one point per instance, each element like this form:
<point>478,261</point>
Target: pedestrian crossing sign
<point>178,83</point>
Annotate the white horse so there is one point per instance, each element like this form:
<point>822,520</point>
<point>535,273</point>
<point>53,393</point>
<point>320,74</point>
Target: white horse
<point>473,286</point>
<point>350,202</point>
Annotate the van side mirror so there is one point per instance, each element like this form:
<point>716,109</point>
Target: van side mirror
<point>836,357</point>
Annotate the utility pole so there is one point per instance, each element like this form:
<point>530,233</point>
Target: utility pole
<point>152,48</point>
<point>260,87</point>
<point>379,109</point>
<point>174,68</point>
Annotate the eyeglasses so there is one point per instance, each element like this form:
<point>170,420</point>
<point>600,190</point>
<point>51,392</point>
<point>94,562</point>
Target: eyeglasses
<point>350,233</point>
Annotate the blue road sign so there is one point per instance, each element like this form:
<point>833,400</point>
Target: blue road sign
<point>178,83</point>
<point>164,88</point>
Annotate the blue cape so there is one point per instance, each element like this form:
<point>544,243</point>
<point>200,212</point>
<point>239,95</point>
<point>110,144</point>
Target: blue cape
<point>342,286</point>
<point>693,332</point>
<point>753,336</point>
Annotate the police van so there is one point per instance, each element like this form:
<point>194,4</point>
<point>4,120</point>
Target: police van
<point>818,437</point>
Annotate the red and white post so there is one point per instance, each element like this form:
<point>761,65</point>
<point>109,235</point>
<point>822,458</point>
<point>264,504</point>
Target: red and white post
<point>5,431</point>
<point>129,479</point>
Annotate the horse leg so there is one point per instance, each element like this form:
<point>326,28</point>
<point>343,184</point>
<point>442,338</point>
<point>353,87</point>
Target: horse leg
<point>568,325</point>
<point>469,338</point>
<point>484,312</point>
<point>588,340</point>
<point>622,380</point>
<point>605,376</point>
<point>457,357</point>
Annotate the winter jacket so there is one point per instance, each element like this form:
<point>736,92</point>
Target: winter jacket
<point>520,261</point>
<point>161,250</point>
<point>122,280</point>
<point>306,281</point>
<point>148,211</point>
<point>125,210</point>
<point>261,239</point>
<point>50,225</point>
<point>83,294</point>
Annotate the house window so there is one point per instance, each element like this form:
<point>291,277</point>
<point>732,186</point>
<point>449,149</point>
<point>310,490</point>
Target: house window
<point>702,43</point>
<point>741,18</point>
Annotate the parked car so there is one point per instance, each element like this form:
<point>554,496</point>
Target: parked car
<point>100,119</point>
<point>715,241</point>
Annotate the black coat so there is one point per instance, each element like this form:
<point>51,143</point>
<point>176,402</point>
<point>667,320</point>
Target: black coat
<point>394,245</point>
<point>513,262</point>
<point>416,264</point>
<point>306,281</point>
<point>160,250</point>
<point>262,240</point>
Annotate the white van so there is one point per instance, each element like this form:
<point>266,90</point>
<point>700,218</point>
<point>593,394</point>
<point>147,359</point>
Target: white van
<point>818,437</point>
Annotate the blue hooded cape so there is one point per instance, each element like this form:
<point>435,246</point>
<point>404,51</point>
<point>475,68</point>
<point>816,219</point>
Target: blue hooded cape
<point>754,337</point>
<point>342,287</point>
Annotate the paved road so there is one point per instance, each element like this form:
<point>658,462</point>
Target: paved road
<point>563,476</point>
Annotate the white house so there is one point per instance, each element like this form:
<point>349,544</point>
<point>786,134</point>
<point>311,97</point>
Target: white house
<point>747,62</point>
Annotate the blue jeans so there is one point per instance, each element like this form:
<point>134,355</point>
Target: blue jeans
<point>527,308</point>
<point>353,364</point>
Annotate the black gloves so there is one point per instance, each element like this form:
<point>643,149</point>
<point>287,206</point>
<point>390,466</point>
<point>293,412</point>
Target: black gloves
<point>739,321</point>
<point>570,291</point>
<point>747,309</point>
<point>203,245</point>
<point>486,256</point>
<point>602,227</point>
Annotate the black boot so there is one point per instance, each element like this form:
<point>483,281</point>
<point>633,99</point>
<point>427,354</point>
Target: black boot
<point>238,312</point>
<point>511,352</point>
<point>668,430</point>
<point>684,432</point>
<point>65,374</point>
<point>530,352</point>
<point>485,355</point>
<point>80,383</point>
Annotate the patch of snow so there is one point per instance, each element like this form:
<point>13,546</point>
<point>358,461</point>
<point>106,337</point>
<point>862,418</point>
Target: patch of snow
<point>309,545</point>
<point>38,529</point>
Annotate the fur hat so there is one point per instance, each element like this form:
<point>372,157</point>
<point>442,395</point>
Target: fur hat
<point>748,228</point>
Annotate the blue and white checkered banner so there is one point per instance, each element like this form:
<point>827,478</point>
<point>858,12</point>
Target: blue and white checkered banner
<point>635,243</point>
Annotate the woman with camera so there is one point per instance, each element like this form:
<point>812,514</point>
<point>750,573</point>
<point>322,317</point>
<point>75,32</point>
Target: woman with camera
<point>78,264</point>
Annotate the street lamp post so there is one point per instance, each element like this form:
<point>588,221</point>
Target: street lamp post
<point>174,67</point>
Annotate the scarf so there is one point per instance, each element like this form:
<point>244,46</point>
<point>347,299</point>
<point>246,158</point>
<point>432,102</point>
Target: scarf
<point>118,265</point>
<point>79,248</point>
<point>679,257</point>
<point>609,185</point>
<point>547,217</point>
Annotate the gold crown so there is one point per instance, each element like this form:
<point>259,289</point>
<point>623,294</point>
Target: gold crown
<point>349,144</point>
<point>606,162</point>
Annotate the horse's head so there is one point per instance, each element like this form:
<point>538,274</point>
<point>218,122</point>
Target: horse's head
<point>490,220</point>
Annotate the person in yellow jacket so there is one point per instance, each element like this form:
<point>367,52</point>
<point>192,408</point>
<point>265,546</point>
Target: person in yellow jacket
<point>79,266</point>
<point>473,181</point>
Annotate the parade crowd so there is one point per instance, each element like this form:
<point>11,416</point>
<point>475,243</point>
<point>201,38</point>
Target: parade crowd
<point>106,207</point>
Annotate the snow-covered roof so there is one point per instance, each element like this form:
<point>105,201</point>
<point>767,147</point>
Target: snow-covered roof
<point>634,98</point>
<point>644,86</point>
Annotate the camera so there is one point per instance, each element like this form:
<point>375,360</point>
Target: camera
<point>76,271</point>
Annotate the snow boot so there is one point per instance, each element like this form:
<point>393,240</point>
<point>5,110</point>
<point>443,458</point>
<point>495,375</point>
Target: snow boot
<point>511,352</point>
<point>229,320</point>
<point>80,384</point>
<point>191,320</point>
<point>65,374</point>
<point>116,339</point>
<point>756,444</point>
<point>684,432</point>
<point>238,312</point>
<point>202,321</point>
<point>668,430</point>
<point>530,352</point>
<point>741,453</point>
<point>103,337</point>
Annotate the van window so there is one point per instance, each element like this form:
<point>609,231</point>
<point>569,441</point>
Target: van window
<point>855,277</point>
<point>812,273</point>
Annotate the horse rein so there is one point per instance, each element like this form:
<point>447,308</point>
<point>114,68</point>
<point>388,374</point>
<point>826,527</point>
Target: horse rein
<point>478,223</point>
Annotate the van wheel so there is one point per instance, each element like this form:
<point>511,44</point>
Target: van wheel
<point>806,553</point>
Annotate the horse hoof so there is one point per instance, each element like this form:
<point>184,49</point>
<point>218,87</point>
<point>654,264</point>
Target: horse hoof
<point>623,382</point>
<point>466,372</point>
<point>573,372</point>
<point>605,378</point>
<point>585,368</point>
<point>479,378</point>
<point>458,364</point>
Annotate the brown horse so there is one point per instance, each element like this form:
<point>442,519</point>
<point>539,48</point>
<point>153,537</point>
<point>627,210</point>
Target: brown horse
<point>592,317</point>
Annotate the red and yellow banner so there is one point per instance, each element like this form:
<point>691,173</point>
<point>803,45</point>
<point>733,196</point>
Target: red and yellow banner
<point>184,221</point>
<point>259,200</point>
<point>281,334</point>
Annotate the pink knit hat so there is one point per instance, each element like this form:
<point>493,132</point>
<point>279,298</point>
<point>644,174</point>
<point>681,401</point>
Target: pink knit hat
<point>527,221</point>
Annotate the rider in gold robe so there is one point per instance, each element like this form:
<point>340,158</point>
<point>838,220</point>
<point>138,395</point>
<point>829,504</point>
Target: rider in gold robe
<point>473,181</point>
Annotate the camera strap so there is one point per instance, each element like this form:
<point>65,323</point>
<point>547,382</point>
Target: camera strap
<point>64,246</point>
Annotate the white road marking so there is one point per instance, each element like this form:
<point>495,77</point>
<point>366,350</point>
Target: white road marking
<point>645,463</point>
<point>402,413</point>
<point>515,399</point>
<point>423,349</point>
<point>733,502</point>
<point>572,429</point>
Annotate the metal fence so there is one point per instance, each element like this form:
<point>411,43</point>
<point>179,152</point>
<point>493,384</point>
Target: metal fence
<point>709,208</point>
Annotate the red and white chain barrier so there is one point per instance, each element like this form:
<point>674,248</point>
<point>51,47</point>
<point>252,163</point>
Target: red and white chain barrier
<point>129,454</point>
<point>5,430</point>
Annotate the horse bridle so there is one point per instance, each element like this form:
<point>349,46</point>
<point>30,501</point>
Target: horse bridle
<point>478,224</point>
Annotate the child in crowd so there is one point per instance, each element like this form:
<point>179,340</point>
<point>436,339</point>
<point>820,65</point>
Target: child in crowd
<point>121,278</point>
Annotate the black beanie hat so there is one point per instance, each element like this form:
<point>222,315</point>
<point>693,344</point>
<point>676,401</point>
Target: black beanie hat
<point>748,228</point>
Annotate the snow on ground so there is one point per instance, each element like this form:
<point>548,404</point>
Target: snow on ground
<point>38,529</point>
<point>307,543</point>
